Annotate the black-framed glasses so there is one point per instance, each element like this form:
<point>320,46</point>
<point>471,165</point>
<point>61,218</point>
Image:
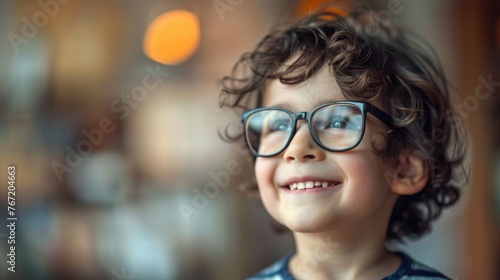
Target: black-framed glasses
<point>335,126</point>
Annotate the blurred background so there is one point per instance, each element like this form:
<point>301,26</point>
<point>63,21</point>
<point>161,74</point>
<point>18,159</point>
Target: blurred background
<point>109,112</point>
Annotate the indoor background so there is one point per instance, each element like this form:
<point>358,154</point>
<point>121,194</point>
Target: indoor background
<point>109,113</point>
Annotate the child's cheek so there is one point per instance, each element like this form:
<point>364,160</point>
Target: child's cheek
<point>264,172</point>
<point>368,191</point>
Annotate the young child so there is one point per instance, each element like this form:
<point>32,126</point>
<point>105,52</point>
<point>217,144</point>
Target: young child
<point>355,143</point>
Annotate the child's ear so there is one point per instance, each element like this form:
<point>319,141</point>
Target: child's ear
<point>412,175</point>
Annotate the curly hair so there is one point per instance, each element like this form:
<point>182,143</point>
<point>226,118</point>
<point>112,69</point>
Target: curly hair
<point>370,58</point>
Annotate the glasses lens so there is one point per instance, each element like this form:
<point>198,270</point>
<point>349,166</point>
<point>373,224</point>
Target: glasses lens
<point>339,126</point>
<point>267,131</point>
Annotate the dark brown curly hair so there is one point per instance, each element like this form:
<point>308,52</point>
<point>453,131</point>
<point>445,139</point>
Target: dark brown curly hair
<point>371,58</point>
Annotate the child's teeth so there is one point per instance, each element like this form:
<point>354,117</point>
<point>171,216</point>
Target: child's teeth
<point>308,185</point>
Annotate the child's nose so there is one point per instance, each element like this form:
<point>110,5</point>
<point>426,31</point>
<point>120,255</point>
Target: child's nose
<point>302,147</point>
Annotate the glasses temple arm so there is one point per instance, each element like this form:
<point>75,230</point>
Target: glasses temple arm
<point>381,115</point>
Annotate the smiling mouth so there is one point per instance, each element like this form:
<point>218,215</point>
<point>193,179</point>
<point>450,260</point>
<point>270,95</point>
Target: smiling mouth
<point>312,185</point>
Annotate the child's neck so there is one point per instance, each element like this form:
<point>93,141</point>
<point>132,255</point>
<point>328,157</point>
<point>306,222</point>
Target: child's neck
<point>335,255</point>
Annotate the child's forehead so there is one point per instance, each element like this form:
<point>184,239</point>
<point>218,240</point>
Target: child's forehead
<point>318,89</point>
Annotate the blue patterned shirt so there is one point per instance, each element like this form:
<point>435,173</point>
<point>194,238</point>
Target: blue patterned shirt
<point>408,270</point>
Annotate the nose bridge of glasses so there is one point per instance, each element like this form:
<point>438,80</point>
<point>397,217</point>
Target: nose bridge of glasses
<point>302,142</point>
<point>300,116</point>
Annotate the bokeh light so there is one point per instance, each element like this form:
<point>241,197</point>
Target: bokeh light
<point>306,7</point>
<point>173,37</point>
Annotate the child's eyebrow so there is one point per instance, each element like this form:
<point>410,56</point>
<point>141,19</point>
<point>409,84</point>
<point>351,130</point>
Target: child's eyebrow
<point>284,105</point>
<point>325,100</point>
<point>314,104</point>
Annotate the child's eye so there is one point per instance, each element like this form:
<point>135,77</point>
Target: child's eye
<point>338,123</point>
<point>279,124</point>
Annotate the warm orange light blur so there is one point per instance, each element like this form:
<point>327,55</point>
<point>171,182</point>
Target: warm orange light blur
<point>173,37</point>
<point>306,7</point>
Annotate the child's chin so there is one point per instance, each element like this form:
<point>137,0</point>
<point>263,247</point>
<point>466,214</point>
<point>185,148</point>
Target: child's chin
<point>308,226</point>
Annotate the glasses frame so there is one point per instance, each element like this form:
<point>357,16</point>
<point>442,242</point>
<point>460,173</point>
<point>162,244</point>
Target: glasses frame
<point>364,107</point>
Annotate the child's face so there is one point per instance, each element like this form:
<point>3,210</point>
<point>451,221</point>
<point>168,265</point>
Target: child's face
<point>361,197</point>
